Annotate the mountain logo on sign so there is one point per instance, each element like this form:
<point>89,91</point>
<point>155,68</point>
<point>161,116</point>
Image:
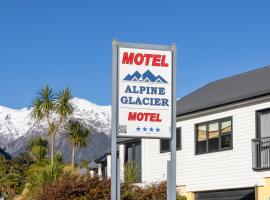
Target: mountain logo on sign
<point>145,77</point>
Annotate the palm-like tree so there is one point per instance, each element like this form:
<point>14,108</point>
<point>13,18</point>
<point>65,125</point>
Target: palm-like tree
<point>78,136</point>
<point>38,148</point>
<point>48,103</point>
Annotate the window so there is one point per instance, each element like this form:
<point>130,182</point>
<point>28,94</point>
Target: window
<point>214,136</point>
<point>104,170</point>
<point>165,143</point>
<point>263,121</point>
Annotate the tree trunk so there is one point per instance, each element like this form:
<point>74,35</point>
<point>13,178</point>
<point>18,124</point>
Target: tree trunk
<point>52,147</point>
<point>73,156</point>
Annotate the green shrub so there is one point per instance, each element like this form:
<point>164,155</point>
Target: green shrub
<point>156,191</point>
<point>131,172</point>
<point>180,197</point>
<point>41,177</point>
<point>38,148</point>
<point>12,177</point>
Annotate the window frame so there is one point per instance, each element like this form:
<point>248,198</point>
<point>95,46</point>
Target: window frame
<point>177,148</point>
<point>257,116</point>
<point>206,123</point>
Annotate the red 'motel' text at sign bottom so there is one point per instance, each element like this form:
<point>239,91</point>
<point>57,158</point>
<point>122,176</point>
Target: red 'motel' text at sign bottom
<point>140,116</point>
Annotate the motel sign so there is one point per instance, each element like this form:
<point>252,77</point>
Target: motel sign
<point>145,92</point>
<point>143,102</point>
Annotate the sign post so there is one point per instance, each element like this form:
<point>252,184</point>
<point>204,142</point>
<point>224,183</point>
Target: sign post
<point>144,100</point>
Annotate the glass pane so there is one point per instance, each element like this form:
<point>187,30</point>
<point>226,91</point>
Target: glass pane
<point>265,124</point>
<point>165,145</point>
<point>201,139</point>
<point>226,127</point>
<point>226,141</point>
<point>213,137</point>
<point>137,160</point>
<point>202,133</point>
<point>178,138</point>
<point>213,130</point>
<point>129,154</point>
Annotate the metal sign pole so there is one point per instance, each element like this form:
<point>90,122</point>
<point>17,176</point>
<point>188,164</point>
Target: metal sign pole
<point>172,163</point>
<point>114,124</point>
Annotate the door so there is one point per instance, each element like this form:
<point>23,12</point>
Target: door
<point>236,194</point>
<point>263,138</point>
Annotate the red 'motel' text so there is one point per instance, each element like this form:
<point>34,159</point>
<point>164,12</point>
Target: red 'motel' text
<point>144,59</point>
<point>140,116</point>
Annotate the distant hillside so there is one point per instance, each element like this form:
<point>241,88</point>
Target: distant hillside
<point>5,154</point>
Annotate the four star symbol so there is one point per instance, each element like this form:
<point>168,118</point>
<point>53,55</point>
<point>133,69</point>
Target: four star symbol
<point>151,129</point>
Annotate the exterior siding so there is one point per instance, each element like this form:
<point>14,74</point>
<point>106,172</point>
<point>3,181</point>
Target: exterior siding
<point>212,171</point>
<point>109,164</point>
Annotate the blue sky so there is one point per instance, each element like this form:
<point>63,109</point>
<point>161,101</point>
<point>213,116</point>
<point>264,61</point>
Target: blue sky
<point>68,43</point>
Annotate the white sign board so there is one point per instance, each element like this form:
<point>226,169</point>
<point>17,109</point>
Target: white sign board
<point>144,93</point>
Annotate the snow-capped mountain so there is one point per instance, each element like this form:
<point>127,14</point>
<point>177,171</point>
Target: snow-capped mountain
<point>17,126</point>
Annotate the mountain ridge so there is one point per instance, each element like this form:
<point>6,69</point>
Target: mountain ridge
<point>16,127</point>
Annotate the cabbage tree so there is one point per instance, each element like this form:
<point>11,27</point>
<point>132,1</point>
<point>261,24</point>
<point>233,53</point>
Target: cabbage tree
<point>78,136</point>
<point>54,108</point>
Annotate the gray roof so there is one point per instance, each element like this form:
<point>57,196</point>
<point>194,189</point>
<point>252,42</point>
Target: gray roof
<point>93,165</point>
<point>228,90</point>
<point>124,140</point>
<point>103,157</point>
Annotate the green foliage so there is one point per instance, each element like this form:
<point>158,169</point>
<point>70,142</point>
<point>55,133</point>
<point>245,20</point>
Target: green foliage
<point>62,105</point>
<point>3,166</point>
<point>77,133</point>
<point>21,163</point>
<point>35,168</point>
<point>37,113</point>
<point>180,197</point>
<point>78,136</point>
<point>42,176</point>
<point>156,191</point>
<point>12,176</point>
<point>58,157</point>
<point>131,172</point>
<point>43,105</point>
<point>84,164</point>
<point>38,148</point>
<point>11,184</point>
<point>48,103</point>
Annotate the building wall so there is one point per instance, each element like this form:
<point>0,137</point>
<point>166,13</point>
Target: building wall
<point>109,164</point>
<point>122,162</point>
<point>219,170</point>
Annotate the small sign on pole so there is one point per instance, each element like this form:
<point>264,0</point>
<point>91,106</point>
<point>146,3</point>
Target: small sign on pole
<point>143,104</point>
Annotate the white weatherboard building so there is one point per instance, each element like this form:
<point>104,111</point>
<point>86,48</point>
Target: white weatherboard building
<point>223,141</point>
